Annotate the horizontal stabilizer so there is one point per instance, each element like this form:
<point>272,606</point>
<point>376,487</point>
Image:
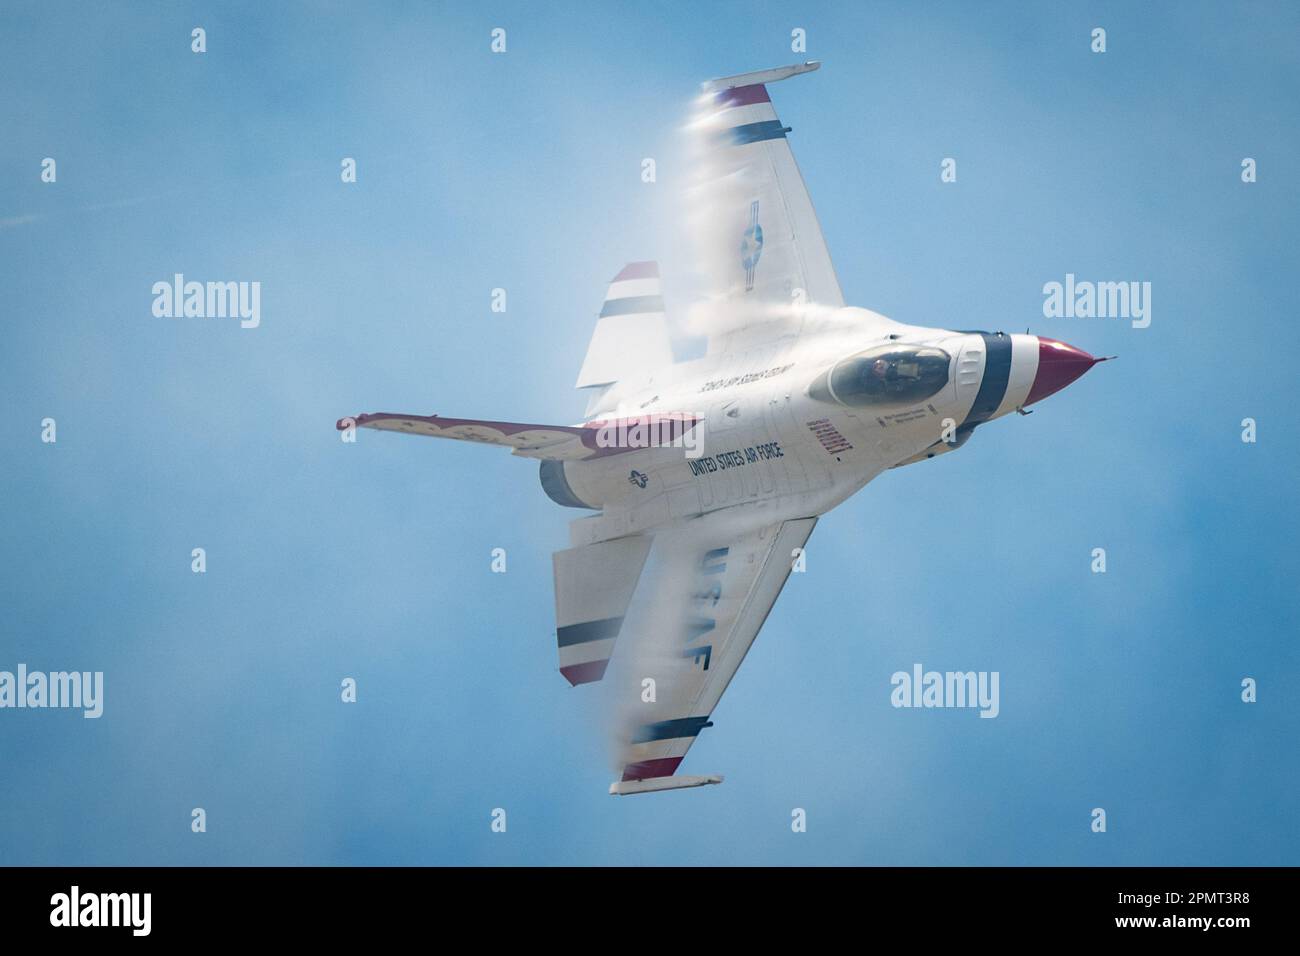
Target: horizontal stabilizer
<point>593,586</point>
<point>625,788</point>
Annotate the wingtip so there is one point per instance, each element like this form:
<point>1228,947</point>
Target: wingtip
<point>760,77</point>
<point>627,788</point>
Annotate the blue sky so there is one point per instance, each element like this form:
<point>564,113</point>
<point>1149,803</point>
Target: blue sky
<point>521,171</point>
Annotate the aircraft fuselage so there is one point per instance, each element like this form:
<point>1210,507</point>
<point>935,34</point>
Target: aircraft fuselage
<point>799,425</point>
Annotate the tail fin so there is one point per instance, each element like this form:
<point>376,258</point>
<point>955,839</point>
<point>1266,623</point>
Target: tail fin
<point>632,334</point>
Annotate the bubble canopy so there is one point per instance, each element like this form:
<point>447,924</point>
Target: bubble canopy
<point>888,375</point>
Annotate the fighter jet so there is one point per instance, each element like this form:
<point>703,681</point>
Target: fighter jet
<point>705,478</point>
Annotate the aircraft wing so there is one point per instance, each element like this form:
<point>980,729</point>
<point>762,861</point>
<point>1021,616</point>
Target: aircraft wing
<point>700,601</point>
<point>760,245</point>
<point>594,439</point>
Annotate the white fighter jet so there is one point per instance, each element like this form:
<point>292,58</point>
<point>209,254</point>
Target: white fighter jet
<point>706,477</point>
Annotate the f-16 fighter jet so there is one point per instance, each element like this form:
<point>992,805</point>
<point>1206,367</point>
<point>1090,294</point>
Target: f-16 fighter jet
<point>705,478</point>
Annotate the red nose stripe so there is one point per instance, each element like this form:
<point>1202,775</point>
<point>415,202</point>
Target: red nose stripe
<point>1058,365</point>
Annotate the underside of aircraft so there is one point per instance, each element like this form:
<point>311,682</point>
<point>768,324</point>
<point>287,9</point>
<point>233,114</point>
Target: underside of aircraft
<point>704,479</point>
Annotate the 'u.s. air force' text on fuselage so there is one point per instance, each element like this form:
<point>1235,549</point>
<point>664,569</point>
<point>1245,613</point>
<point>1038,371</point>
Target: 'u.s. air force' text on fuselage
<point>709,464</point>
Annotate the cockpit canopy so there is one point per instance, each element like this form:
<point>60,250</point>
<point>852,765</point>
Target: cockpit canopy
<point>888,375</point>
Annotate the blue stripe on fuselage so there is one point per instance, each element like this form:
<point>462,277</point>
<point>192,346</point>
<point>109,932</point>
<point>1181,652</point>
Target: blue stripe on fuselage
<point>997,372</point>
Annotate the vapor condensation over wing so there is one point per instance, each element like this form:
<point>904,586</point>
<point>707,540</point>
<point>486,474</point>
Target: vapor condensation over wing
<point>759,254</point>
<point>719,202</point>
<point>651,644</point>
<point>669,637</point>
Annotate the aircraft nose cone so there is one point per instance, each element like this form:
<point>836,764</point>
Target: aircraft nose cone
<point>1058,365</point>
